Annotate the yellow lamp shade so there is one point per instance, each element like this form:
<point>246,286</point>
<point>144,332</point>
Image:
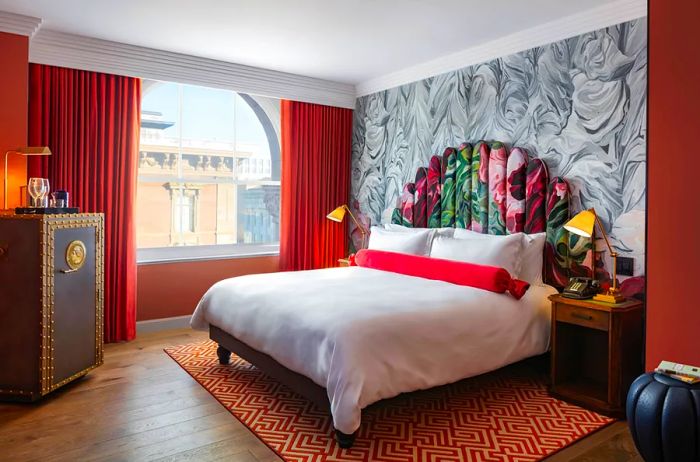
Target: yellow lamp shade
<point>582,224</point>
<point>338,214</point>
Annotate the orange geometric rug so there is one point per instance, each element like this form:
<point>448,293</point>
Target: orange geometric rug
<point>506,415</point>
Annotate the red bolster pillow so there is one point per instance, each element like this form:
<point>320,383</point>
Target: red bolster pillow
<point>456,272</point>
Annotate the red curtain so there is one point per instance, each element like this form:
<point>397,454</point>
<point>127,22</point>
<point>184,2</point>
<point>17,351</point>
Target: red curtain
<point>316,142</point>
<point>91,123</point>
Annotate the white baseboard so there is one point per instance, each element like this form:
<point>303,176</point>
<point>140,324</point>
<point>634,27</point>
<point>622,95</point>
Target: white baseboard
<point>156,325</point>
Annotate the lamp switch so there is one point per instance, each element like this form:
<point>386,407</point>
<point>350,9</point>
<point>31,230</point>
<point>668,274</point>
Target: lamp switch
<point>625,266</point>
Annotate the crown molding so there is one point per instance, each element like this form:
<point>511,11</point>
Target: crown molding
<point>19,24</point>
<point>607,15</point>
<point>87,53</point>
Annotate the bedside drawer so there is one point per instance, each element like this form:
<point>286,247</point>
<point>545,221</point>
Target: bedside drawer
<point>583,317</point>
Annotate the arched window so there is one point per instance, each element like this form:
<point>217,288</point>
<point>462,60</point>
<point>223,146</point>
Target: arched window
<point>208,173</point>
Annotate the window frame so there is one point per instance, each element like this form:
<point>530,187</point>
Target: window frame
<point>155,255</point>
<point>185,253</point>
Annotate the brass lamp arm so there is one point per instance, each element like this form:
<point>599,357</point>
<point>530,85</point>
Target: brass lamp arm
<point>359,226</point>
<point>605,235</point>
<point>613,254</point>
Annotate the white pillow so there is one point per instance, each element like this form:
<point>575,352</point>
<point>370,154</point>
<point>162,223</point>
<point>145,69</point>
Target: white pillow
<point>416,243</point>
<point>531,256</point>
<point>532,259</point>
<point>403,229</point>
<point>503,252</point>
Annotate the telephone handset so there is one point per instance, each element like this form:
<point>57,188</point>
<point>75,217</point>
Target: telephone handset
<point>581,288</point>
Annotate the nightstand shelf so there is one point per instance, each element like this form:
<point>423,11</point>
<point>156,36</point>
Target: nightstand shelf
<point>583,390</point>
<point>596,352</point>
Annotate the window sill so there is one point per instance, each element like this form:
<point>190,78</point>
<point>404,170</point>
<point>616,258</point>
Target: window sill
<point>155,256</point>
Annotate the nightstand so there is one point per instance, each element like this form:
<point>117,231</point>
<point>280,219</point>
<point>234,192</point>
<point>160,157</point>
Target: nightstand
<point>343,262</point>
<point>596,352</point>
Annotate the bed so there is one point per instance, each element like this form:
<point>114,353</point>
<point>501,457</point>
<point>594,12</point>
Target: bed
<point>349,337</point>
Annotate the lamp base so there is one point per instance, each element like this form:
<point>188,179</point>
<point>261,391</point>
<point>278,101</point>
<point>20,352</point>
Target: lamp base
<point>609,297</point>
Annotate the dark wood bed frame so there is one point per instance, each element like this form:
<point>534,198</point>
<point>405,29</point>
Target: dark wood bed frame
<point>296,382</point>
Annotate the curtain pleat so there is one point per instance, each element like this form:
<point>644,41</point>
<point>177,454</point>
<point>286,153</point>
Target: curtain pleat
<point>316,144</point>
<point>91,122</point>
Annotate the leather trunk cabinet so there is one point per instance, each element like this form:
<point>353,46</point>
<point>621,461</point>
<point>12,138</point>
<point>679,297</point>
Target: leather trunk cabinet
<point>51,301</point>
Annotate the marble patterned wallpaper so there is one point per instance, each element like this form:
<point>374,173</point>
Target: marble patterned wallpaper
<point>578,104</point>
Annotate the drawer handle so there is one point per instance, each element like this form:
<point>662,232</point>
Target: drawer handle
<point>585,317</point>
<point>64,271</point>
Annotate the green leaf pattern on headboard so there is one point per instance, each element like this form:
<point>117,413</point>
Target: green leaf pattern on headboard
<point>463,188</point>
<point>480,188</point>
<point>447,193</point>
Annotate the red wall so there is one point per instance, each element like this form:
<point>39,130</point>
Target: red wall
<point>14,59</point>
<point>673,239</point>
<point>173,289</point>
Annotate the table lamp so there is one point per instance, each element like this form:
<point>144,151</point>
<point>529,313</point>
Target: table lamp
<point>338,215</point>
<point>583,224</point>
<point>25,151</point>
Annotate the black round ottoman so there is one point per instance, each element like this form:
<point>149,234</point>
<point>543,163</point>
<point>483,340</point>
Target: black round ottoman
<point>664,417</point>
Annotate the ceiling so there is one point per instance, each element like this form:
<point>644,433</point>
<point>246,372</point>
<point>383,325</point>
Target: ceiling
<point>342,41</point>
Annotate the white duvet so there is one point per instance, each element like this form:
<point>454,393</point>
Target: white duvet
<point>367,334</point>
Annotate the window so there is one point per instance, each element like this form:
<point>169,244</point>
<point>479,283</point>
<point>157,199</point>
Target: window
<point>208,175</point>
<point>183,212</point>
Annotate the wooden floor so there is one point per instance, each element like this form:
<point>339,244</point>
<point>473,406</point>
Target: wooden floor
<point>140,405</point>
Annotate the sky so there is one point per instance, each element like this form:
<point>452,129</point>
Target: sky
<point>207,113</point>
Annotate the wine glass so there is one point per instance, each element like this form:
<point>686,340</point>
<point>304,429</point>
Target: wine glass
<point>45,192</point>
<point>37,188</point>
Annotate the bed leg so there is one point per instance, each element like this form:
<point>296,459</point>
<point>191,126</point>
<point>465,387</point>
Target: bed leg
<point>344,440</point>
<point>223,354</point>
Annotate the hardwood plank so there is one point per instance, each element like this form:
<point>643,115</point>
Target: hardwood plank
<point>242,457</point>
<point>140,405</point>
<point>111,399</point>
<point>619,448</point>
<point>229,449</point>
<point>134,441</point>
<point>187,442</point>
<point>72,420</point>
<point>59,441</point>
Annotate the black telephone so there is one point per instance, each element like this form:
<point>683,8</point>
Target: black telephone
<point>581,288</point>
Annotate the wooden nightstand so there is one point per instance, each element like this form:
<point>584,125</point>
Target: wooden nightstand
<point>596,352</point>
<point>343,262</point>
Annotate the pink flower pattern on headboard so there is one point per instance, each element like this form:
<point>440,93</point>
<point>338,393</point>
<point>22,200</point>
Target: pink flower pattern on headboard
<point>515,199</point>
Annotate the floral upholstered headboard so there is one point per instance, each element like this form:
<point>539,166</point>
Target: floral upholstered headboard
<point>490,190</point>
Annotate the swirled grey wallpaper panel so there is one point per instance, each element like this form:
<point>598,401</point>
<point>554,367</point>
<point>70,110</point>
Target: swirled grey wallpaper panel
<point>579,104</point>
